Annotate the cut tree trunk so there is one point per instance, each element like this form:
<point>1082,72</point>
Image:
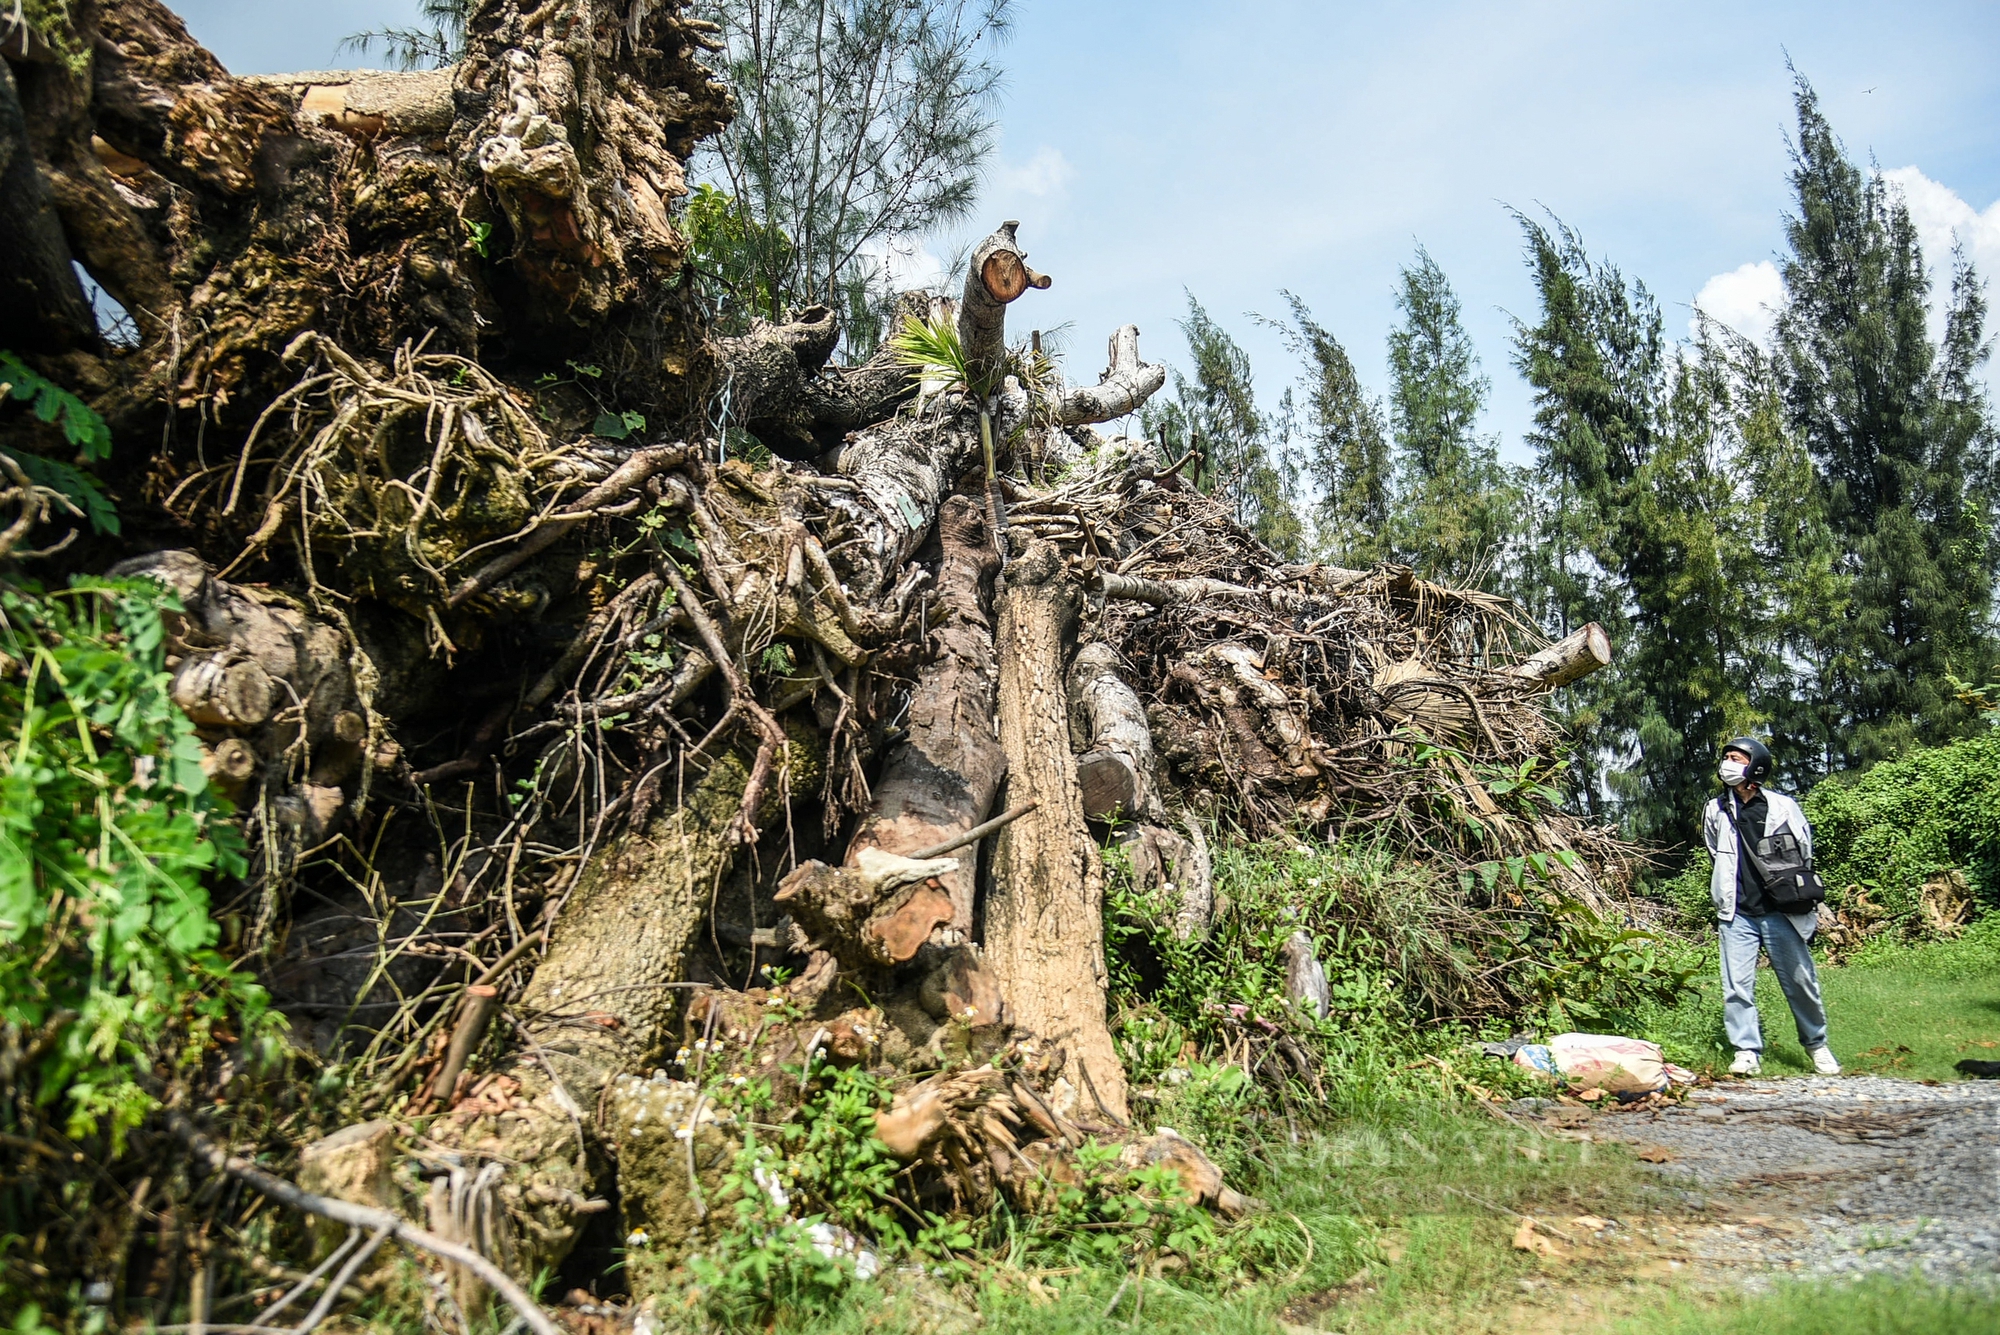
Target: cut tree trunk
<point>602,1000</point>
<point>1117,768</point>
<point>942,779</point>
<point>903,469</point>
<point>997,275</point>
<point>1045,912</point>
<point>1569,659</point>
<point>283,701</point>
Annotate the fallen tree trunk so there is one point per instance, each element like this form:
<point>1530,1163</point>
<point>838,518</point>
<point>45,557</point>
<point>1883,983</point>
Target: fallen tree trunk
<point>941,780</point>
<point>606,650</point>
<point>603,998</point>
<point>1115,767</point>
<point>1569,659</point>
<point>1045,912</point>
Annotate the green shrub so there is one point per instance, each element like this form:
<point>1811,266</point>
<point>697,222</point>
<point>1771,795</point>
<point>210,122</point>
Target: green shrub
<point>1412,962</point>
<point>1888,828</point>
<point>107,832</point>
<point>81,428</point>
<point>1687,895</point>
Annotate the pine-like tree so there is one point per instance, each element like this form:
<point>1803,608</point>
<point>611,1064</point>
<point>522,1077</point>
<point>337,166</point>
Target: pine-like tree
<point>1646,530</point>
<point>1343,452</point>
<point>1215,413</point>
<point>1457,509</point>
<point>1902,440</point>
<point>1811,588</point>
<point>1700,597</point>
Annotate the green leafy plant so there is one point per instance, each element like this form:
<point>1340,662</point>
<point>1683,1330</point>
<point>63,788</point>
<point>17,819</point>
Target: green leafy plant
<point>735,252</point>
<point>108,831</point>
<point>1891,828</point>
<point>1593,970</point>
<point>80,427</point>
<point>617,426</point>
<point>843,1171</point>
<point>764,1261</point>
<point>932,350</point>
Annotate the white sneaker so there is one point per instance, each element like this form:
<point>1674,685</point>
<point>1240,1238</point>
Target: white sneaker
<point>1823,1060</point>
<point>1746,1063</point>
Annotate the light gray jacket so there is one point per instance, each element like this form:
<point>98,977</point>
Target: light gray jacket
<point>1721,838</point>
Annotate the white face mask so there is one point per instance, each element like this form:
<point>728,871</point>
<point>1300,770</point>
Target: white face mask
<point>1731,772</point>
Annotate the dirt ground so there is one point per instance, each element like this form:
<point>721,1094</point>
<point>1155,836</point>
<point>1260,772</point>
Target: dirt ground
<point>1807,1178</point>
<point>1829,1176</point>
<point>1804,1178</point>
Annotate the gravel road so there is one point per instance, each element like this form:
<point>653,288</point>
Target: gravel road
<point>1829,1176</point>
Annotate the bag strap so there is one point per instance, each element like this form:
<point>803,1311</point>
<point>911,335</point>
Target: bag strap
<point>1742,850</point>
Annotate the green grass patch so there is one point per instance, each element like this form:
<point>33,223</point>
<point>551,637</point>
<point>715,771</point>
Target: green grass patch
<point>1409,1200</point>
<point>1878,1305</point>
<point>1910,1011</point>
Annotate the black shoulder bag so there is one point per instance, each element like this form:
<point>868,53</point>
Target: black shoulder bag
<point>1790,882</point>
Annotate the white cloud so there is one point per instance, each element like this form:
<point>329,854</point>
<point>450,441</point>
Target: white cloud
<point>907,264</point>
<point>1745,299</point>
<point>1045,175</point>
<point>1943,219</point>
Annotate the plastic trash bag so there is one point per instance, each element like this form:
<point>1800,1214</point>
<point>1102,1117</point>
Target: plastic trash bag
<point>1610,1062</point>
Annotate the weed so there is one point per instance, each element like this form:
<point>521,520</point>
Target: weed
<point>81,428</point>
<point>108,830</point>
<point>1878,1305</point>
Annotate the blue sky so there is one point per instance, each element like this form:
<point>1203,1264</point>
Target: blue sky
<point>1234,149</point>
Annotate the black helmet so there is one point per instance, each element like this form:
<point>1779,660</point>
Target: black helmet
<point>1760,757</point>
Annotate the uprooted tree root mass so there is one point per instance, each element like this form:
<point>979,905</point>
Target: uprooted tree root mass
<point>621,814</point>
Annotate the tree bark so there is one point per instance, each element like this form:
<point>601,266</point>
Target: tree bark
<point>779,387</point>
<point>1116,767</point>
<point>517,201</point>
<point>1569,659</point>
<point>1126,383</point>
<point>1045,912</point>
<point>40,300</point>
<point>997,274</point>
<point>941,780</point>
<point>601,1002</point>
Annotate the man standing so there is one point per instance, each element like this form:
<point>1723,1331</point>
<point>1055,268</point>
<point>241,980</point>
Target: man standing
<point>1744,819</point>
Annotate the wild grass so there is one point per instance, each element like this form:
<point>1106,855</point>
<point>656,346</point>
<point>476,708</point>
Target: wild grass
<point>1901,1010</point>
<point>1878,1305</point>
<point>1403,1213</point>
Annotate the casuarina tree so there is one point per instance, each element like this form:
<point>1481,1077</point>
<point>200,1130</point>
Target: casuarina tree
<point>1897,427</point>
<point>1456,507</point>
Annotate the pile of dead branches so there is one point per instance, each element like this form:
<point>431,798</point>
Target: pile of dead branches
<point>1312,699</point>
<point>586,768</point>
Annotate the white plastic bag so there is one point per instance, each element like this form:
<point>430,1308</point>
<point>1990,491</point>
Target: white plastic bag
<point>1609,1062</point>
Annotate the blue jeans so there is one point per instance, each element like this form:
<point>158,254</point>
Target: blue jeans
<point>1791,959</point>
